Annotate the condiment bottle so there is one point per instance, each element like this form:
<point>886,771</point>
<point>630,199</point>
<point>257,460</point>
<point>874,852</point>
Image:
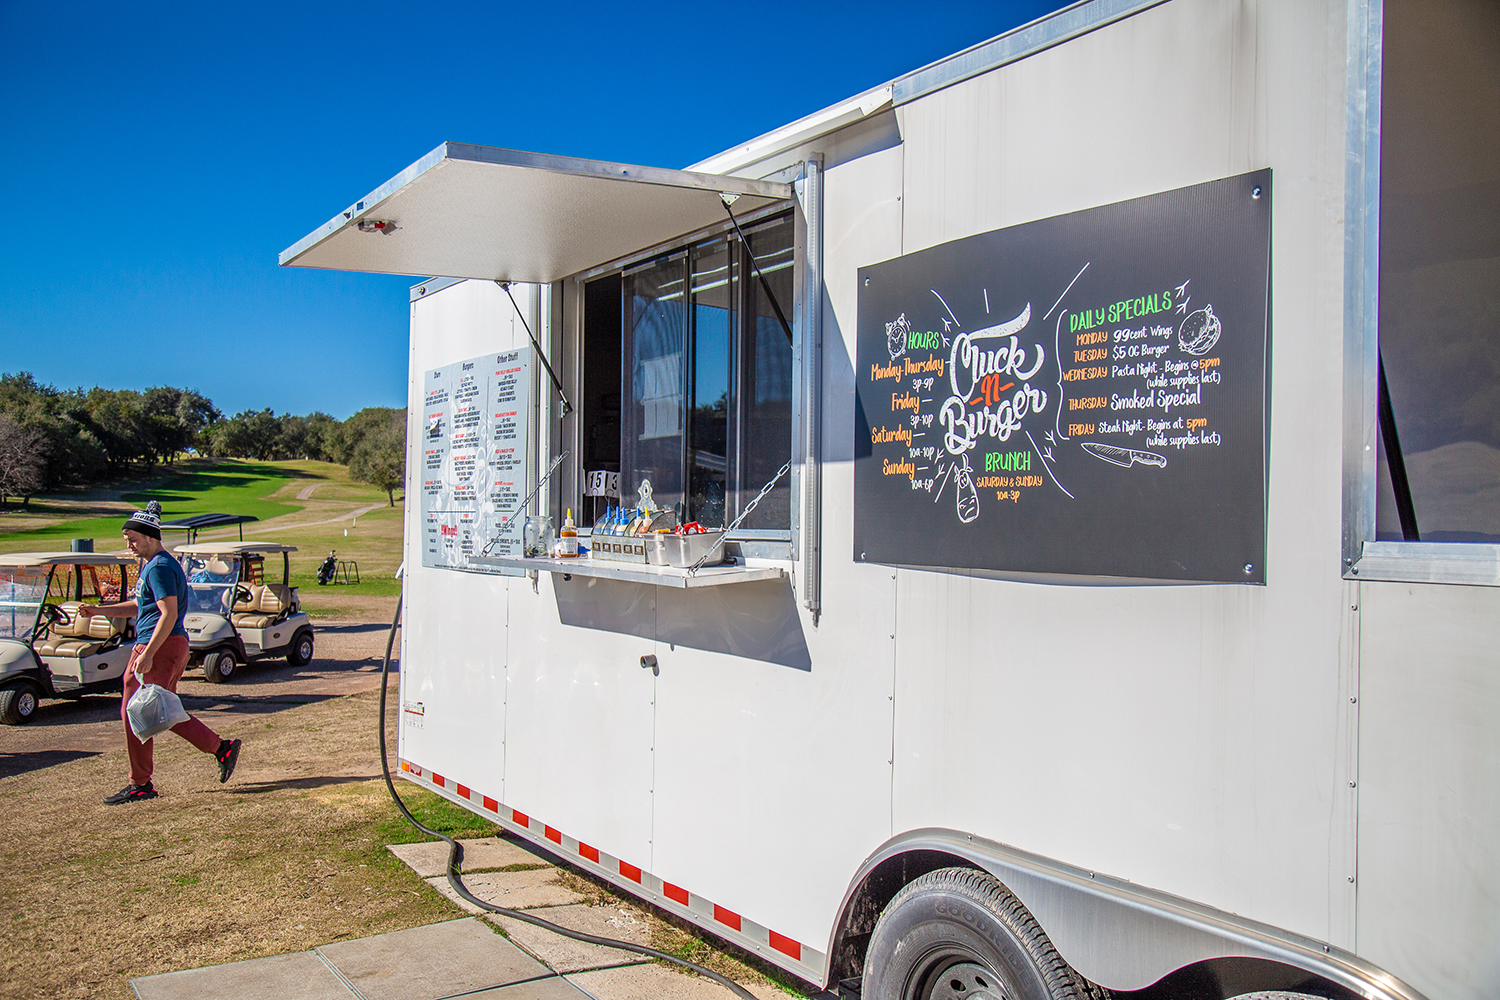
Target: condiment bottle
<point>568,537</point>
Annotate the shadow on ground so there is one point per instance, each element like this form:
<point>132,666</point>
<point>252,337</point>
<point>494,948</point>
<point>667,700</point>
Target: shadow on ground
<point>320,781</point>
<point>12,764</point>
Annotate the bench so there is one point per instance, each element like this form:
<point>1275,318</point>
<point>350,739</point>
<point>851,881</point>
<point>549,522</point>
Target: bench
<point>78,636</point>
<point>268,603</point>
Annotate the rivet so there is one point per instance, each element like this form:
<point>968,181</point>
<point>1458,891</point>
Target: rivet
<point>1255,193</point>
<point>1248,568</point>
<point>867,281</point>
<point>1351,878</point>
<point>1351,784</point>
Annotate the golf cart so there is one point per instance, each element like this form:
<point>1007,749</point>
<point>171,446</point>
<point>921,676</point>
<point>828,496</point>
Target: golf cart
<point>234,615</point>
<point>47,649</point>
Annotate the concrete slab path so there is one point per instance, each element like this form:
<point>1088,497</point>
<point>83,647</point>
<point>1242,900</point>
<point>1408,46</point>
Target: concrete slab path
<point>496,958</point>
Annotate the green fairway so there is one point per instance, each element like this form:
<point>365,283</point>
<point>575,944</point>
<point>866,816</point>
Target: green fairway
<point>220,487</point>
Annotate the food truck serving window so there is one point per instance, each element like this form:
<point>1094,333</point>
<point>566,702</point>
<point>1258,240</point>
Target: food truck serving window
<point>1440,271</point>
<point>687,376</point>
<point>1424,458</point>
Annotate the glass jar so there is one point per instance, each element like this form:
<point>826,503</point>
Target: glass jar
<point>537,536</point>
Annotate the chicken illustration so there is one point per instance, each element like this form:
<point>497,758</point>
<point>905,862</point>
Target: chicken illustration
<point>968,493</point>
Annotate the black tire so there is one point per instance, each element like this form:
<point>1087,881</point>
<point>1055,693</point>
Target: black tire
<point>300,652</point>
<point>957,932</point>
<point>19,702</point>
<point>219,665</point>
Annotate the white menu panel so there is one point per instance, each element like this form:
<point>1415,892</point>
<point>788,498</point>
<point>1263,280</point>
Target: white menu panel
<point>475,440</point>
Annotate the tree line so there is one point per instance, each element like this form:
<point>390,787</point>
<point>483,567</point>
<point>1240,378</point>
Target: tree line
<point>51,437</point>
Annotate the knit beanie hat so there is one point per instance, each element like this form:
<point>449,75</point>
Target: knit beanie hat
<point>147,522</point>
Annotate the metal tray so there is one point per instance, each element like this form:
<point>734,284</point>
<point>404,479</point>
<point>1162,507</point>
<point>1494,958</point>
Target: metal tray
<point>683,551</point>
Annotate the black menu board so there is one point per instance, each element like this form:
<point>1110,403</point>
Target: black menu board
<point>1082,395</point>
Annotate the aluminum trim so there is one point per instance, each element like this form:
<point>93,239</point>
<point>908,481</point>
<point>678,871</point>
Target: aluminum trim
<point>367,204</point>
<point>811,191</point>
<point>803,130</point>
<point>1361,276</point>
<point>1472,563</point>
<point>431,286</point>
<point>1014,45</point>
<point>1032,878</point>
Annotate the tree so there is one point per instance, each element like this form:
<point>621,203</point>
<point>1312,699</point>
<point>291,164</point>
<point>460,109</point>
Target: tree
<point>380,457</point>
<point>23,461</point>
<point>354,430</point>
<point>320,430</point>
<point>247,434</point>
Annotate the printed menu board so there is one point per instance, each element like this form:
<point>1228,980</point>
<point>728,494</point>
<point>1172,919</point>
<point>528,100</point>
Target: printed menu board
<point>473,449</point>
<point>1083,395</point>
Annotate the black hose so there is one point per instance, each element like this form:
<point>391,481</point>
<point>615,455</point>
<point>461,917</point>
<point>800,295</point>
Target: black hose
<point>456,856</point>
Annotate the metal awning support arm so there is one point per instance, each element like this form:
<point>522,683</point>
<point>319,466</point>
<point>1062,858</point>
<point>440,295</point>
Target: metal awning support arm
<point>557,384</point>
<point>728,200</point>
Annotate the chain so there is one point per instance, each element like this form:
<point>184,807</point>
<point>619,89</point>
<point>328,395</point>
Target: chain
<point>522,505</point>
<point>693,569</point>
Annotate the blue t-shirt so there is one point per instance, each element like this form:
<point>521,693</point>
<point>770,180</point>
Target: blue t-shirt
<point>161,577</point>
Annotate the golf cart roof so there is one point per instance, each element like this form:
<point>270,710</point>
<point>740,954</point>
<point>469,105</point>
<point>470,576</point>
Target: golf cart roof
<point>200,521</point>
<point>63,559</point>
<point>233,548</point>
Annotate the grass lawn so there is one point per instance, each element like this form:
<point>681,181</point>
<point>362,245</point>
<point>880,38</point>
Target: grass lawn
<point>289,855</point>
<point>312,505</point>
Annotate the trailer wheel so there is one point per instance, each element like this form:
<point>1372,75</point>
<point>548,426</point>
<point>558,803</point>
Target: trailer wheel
<point>300,652</point>
<point>957,932</point>
<point>219,665</point>
<point>18,704</point>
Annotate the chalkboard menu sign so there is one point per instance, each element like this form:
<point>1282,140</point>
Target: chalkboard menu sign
<point>475,438</point>
<point>1082,395</point>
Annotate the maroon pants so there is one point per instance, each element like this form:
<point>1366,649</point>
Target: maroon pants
<point>166,670</point>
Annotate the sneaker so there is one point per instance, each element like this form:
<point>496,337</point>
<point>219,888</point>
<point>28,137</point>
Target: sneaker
<point>131,793</point>
<point>227,755</point>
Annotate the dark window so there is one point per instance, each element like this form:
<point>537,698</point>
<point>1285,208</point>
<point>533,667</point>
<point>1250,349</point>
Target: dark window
<point>1440,269</point>
<point>705,377</point>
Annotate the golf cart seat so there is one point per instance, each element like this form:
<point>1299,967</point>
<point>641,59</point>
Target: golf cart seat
<point>78,636</point>
<point>268,602</point>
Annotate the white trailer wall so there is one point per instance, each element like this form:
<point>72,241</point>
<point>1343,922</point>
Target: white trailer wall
<point>454,633</point>
<point>1185,738</point>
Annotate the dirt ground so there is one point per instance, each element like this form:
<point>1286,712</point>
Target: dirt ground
<point>288,855</point>
<point>346,661</point>
<point>291,854</point>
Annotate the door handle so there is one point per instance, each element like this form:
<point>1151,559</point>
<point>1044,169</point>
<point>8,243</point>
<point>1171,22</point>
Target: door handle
<point>648,662</point>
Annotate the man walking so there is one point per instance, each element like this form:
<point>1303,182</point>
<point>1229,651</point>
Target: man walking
<point>161,650</point>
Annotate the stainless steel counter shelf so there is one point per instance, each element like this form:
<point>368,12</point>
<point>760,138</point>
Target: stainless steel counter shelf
<point>660,576</point>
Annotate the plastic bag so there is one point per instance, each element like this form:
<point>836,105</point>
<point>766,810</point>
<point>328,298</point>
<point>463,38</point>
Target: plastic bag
<point>153,709</point>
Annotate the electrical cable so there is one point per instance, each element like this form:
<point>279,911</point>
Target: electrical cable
<point>456,856</point>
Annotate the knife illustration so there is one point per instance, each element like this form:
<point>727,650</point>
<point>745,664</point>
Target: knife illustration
<point>1124,456</point>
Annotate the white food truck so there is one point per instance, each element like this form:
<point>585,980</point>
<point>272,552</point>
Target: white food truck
<point>1128,618</point>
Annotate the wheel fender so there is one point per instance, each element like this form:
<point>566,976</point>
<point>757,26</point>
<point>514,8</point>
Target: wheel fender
<point>1116,934</point>
<point>16,658</point>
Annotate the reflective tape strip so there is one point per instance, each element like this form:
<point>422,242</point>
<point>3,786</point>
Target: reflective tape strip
<point>790,954</point>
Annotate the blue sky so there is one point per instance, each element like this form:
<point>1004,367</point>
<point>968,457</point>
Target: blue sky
<point>156,157</point>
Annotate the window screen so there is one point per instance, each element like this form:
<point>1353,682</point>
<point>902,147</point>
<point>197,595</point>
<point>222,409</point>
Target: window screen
<point>1439,318</point>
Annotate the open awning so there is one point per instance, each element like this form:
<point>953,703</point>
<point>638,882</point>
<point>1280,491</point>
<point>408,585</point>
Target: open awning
<point>482,212</point>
